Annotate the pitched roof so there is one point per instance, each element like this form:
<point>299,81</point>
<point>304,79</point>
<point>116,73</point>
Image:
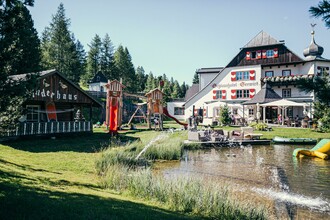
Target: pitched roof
<point>99,77</point>
<point>262,39</point>
<point>45,73</point>
<point>193,90</point>
<point>209,70</point>
<point>266,94</point>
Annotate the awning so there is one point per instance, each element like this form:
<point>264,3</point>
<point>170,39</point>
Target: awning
<point>283,103</point>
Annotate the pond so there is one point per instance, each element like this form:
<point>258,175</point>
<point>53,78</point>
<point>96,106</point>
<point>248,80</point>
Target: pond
<point>266,171</point>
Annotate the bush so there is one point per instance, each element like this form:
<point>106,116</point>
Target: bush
<point>224,115</point>
<point>258,126</point>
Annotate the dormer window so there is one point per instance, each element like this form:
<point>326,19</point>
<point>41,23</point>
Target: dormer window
<point>254,55</point>
<point>270,53</point>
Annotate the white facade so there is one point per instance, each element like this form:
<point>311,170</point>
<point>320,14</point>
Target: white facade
<point>236,84</point>
<point>176,110</point>
<point>97,87</point>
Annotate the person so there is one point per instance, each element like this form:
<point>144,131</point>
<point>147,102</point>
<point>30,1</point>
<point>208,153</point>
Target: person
<point>297,118</point>
<point>232,117</point>
<point>279,118</point>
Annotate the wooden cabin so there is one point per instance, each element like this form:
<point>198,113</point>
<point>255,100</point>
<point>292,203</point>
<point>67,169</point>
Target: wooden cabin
<point>57,106</point>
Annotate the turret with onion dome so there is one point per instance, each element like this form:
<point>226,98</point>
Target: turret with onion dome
<point>313,51</point>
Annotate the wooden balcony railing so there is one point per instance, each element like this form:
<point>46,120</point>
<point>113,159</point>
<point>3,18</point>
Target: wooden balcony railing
<point>47,128</point>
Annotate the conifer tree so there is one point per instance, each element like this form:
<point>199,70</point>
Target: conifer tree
<point>125,68</point>
<point>183,90</point>
<point>150,84</point>
<point>322,10</point>
<point>107,62</point>
<point>18,44</point>
<point>93,63</point>
<point>195,79</point>
<point>58,47</point>
<point>141,79</point>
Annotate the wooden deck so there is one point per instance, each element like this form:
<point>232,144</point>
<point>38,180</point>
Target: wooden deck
<point>234,142</point>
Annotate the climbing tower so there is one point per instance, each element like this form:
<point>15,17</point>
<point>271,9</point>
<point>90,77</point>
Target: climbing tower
<point>114,105</point>
<point>155,108</point>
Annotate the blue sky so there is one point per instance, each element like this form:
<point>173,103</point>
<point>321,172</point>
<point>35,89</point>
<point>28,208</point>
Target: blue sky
<point>176,37</point>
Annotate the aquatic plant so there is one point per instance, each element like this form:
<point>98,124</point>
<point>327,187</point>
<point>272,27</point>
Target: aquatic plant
<point>180,193</point>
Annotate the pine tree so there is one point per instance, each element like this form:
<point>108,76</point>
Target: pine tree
<point>323,11</point>
<point>141,79</point>
<point>93,58</point>
<point>150,84</point>
<point>58,46</point>
<point>195,79</point>
<point>19,53</point>
<point>107,58</point>
<point>183,90</point>
<point>176,90</point>
<point>125,68</point>
<point>167,91</point>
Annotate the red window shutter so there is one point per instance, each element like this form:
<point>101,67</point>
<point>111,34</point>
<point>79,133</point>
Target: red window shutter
<point>214,94</point>
<point>264,54</point>
<point>223,94</point>
<point>252,93</point>
<point>275,53</point>
<point>233,94</point>
<point>233,76</point>
<point>248,56</point>
<point>252,75</point>
<point>259,54</point>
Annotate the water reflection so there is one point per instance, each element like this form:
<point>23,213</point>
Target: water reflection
<point>270,171</point>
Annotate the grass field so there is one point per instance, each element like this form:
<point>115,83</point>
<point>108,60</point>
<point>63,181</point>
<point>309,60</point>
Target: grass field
<point>56,178</point>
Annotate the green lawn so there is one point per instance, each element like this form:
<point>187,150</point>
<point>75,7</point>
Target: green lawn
<point>55,179</point>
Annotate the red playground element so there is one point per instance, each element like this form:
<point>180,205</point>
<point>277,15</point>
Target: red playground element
<point>113,119</point>
<point>165,112</point>
<point>114,105</point>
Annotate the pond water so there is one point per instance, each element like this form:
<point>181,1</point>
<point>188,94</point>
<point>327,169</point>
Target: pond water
<point>268,171</point>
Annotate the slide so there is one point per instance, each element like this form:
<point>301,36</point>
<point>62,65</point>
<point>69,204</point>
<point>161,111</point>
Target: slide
<point>51,111</point>
<point>321,150</point>
<point>113,126</point>
<point>176,120</point>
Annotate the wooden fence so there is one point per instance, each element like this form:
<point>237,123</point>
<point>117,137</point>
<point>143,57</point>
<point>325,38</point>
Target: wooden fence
<point>48,128</point>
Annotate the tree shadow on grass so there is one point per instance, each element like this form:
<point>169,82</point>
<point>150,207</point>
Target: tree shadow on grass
<point>85,143</point>
<point>19,201</point>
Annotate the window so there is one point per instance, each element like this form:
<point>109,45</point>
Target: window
<point>253,55</point>
<point>322,71</point>
<point>178,111</point>
<point>216,112</point>
<point>218,94</point>
<point>269,73</point>
<point>286,72</point>
<point>32,114</point>
<point>251,112</point>
<point>286,93</point>
<point>243,75</point>
<point>270,53</point>
<point>243,93</point>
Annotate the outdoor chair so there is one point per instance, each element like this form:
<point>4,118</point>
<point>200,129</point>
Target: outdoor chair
<point>248,133</point>
<point>304,123</point>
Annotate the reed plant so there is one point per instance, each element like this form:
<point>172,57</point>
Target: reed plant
<point>180,193</point>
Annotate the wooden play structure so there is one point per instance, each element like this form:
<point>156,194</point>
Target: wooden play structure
<point>114,105</point>
<point>155,108</point>
<point>135,114</point>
